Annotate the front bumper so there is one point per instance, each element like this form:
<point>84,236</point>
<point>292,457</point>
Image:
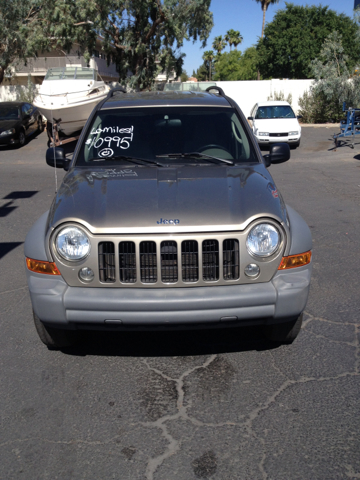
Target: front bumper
<point>59,305</point>
<point>9,140</point>
<point>294,139</point>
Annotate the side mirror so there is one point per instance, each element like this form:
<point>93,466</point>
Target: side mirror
<point>55,157</point>
<point>299,116</point>
<point>279,153</point>
<point>250,118</point>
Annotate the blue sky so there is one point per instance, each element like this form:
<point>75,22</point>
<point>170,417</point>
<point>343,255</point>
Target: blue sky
<point>246,16</point>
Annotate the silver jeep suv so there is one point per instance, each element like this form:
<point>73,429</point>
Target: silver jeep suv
<point>167,217</point>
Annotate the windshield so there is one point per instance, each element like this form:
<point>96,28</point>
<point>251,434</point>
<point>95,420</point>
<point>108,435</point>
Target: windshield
<point>9,112</point>
<point>275,111</point>
<point>159,133</point>
<point>70,73</point>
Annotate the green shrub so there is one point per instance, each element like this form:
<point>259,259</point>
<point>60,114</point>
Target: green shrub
<point>280,96</point>
<point>315,107</point>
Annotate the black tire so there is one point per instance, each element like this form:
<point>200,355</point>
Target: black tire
<point>22,138</point>
<point>40,125</point>
<point>284,332</point>
<point>54,338</point>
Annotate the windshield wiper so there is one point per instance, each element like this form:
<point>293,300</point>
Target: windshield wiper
<point>195,155</point>
<point>136,160</point>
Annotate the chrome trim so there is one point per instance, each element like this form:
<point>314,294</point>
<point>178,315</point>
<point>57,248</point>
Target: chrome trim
<point>268,266</point>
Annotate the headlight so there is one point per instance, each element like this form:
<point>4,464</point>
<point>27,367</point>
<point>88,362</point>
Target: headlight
<point>8,132</point>
<point>263,134</point>
<point>293,133</point>
<point>263,240</point>
<point>72,243</point>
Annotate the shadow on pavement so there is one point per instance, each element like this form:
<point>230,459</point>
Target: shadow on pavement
<point>167,344</point>
<point>5,247</point>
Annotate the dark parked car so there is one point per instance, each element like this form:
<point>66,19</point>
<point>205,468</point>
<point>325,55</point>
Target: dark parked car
<point>18,120</point>
<point>168,217</point>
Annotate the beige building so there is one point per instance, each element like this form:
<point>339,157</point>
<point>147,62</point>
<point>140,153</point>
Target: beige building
<point>37,67</point>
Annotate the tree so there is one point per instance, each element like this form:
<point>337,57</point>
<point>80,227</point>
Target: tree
<point>144,36</point>
<point>332,75</point>
<point>237,66</point>
<point>184,76</point>
<point>228,66</point>
<point>28,26</point>
<point>17,19</point>
<point>264,6</point>
<point>219,44</point>
<point>202,73</point>
<point>295,37</point>
<point>208,57</point>
<point>233,37</point>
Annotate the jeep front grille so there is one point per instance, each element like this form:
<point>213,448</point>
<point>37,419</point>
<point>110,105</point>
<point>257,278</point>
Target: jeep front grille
<point>127,262</point>
<point>106,262</point>
<point>149,261</point>
<point>210,260</point>
<point>190,261</point>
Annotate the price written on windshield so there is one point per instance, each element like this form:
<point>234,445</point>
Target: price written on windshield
<point>112,139</point>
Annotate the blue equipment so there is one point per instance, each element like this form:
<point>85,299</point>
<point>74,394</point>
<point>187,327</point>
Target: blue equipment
<point>350,126</point>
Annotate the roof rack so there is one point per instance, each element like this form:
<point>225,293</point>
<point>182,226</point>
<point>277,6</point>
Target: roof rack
<point>219,90</point>
<point>114,90</point>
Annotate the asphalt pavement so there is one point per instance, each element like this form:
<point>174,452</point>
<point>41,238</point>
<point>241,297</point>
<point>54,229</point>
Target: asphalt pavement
<point>216,405</point>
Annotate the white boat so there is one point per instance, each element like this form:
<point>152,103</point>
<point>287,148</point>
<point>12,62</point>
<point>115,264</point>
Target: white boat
<point>68,96</point>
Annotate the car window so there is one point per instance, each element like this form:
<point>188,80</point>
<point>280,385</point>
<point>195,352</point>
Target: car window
<point>9,112</point>
<point>26,109</point>
<point>275,111</point>
<point>155,131</point>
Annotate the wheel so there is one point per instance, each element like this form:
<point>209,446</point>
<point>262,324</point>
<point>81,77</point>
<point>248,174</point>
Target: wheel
<point>22,138</point>
<point>54,338</point>
<point>284,332</point>
<point>40,125</point>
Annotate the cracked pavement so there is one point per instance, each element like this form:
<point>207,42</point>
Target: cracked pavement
<point>217,404</point>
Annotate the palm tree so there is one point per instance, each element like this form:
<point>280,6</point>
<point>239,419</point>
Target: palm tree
<point>233,37</point>
<point>218,44</point>
<point>264,6</point>
<point>209,57</point>
<point>237,39</point>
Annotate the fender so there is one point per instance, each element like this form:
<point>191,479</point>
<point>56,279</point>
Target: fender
<point>301,240</point>
<point>35,240</point>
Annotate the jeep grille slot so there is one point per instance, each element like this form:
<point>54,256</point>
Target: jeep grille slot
<point>231,259</point>
<point>127,262</point>
<point>190,261</point>
<point>148,265</point>
<point>169,262</point>
<point>106,252</point>
<point>210,256</point>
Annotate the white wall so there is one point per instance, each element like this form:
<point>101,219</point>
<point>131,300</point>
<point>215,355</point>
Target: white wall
<point>10,93</point>
<point>245,92</point>
<point>248,92</point>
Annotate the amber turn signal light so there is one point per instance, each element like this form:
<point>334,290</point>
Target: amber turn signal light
<point>38,266</point>
<point>295,261</point>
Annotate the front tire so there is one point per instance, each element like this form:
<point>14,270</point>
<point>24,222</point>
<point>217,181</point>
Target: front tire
<point>54,338</point>
<point>40,125</point>
<point>284,332</point>
<point>22,138</point>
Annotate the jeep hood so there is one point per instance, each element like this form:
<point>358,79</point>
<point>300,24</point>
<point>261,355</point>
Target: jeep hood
<point>158,200</point>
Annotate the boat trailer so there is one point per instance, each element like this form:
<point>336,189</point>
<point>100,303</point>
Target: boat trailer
<point>53,132</point>
<point>350,126</point>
